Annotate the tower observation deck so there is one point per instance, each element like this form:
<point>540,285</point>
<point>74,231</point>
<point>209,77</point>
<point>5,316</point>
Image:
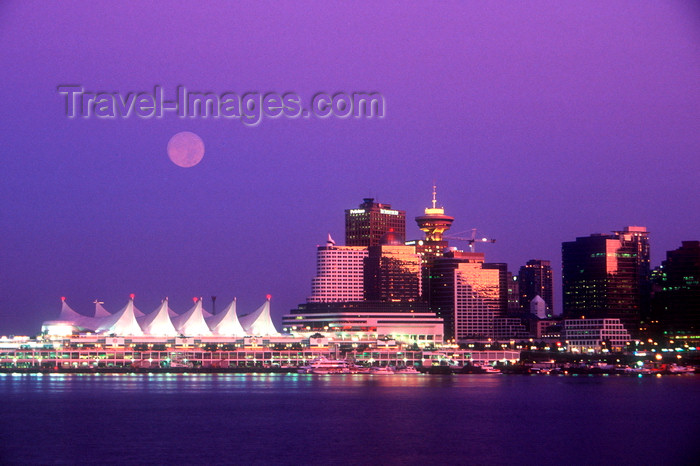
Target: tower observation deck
<point>434,223</point>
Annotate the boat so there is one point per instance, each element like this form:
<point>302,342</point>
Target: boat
<point>676,369</point>
<point>489,369</point>
<point>381,370</point>
<point>355,369</point>
<point>637,370</point>
<point>407,370</point>
<point>322,365</point>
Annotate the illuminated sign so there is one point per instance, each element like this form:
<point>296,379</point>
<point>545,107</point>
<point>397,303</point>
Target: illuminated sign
<point>357,211</point>
<point>389,212</point>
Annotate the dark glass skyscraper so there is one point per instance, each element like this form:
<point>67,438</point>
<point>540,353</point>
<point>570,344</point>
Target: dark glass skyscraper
<point>366,225</point>
<point>535,278</point>
<point>607,276</point>
<point>676,301</point>
<point>392,271</point>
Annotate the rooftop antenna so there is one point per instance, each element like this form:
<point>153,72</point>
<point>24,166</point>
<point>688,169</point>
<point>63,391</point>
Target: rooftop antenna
<point>434,194</point>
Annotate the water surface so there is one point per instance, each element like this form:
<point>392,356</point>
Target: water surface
<point>347,419</point>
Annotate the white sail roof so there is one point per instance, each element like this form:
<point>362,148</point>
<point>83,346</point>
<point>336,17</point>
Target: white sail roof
<point>137,312</point>
<point>158,322</point>
<point>192,322</point>
<point>69,315</point>
<point>121,323</point>
<point>259,323</point>
<point>226,322</point>
<point>100,311</point>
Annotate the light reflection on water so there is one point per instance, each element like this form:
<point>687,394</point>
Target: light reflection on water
<point>55,383</point>
<point>345,419</point>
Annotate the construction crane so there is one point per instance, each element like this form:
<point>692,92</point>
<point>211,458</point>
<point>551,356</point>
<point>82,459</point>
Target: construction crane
<point>473,239</point>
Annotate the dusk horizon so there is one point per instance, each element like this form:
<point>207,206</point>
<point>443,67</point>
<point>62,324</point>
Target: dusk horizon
<point>539,123</point>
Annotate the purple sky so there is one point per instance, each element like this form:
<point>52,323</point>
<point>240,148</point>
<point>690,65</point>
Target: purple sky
<point>540,121</point>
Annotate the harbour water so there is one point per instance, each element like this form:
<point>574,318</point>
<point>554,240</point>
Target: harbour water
<point>347,419</point>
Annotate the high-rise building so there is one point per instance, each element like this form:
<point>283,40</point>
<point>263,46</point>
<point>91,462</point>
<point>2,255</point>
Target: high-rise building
<point>392,271</point>
<point>366,225</point>
<point>607,276</point>
<point>676,298</point>
<point>476,301</point>
<point>441,285</point>
<point>339,273</point>
<point>513,294</point>
<point>535,279</point>
<point>369,289</point>
<point>502,268</point>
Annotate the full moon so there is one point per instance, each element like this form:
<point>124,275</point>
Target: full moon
<point>186,149</point>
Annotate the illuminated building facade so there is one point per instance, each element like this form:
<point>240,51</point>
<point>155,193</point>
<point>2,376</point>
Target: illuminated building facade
<point>595,334</point>
<point>535,279</point>
<point>339,273</point>
<point>409,323</point>
<point>434,223</point>
<point>441,285</point>
<point>676,299</point>
<point>392,271</point>
<point>548,329</point>
<point>503,274</point>
<point>366,225</point>
<point>476,301</point>
<point>607,276</point>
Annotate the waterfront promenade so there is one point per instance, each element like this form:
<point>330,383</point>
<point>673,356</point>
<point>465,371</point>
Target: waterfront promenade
<point>120,354</point>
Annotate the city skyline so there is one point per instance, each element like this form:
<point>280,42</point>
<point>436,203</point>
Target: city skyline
<point>539,122</point>
<point>360,252</point>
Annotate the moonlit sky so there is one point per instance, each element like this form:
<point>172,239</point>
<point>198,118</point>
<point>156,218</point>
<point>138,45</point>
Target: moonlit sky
<point>540,121</point>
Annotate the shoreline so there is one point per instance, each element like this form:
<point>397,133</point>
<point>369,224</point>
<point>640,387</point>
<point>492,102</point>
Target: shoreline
<point>293,370</point>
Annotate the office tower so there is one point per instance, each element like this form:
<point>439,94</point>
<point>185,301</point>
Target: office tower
<point>441,286</point>
<point>502,285</point>
<point>535,279</point>
<point>637,239</point>
<point>366,225</point>
<point>339,273</point>
<point>513,294</point>
<point>392,270</point>
<point>676,298</point>
<point>607,276</point>
<point>476,301</point>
